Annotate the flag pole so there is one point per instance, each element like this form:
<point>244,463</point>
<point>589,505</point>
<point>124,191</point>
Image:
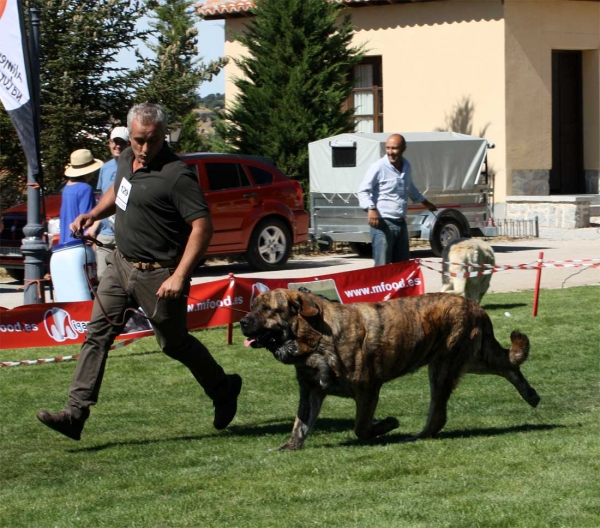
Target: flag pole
<point>34,249</point>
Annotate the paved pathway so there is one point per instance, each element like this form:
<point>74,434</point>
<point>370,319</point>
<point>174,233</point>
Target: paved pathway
<point>556,245</point>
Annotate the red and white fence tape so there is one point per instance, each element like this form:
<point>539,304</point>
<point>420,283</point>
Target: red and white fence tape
<point>38,361</point>
<point>60,359</point>
<point>581,263</point>
<point>488,269</point>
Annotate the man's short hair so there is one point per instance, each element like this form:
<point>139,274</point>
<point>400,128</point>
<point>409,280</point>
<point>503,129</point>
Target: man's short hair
<point>147,114</point>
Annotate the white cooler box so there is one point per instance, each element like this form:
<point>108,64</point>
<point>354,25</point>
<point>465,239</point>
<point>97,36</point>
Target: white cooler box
<point>70,266</point>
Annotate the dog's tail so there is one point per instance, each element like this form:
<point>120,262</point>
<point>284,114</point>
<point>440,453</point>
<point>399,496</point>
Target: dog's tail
<point>519,350</point>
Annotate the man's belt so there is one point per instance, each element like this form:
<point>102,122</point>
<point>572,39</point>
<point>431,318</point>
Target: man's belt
<point>151,266</point>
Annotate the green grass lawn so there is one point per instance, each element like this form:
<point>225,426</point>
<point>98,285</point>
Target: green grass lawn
<point>150,457</point>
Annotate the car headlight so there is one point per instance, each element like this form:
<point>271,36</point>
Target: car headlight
<point>54,226</point>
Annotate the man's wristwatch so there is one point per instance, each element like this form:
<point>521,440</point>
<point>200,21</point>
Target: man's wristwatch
<point>372,207</point>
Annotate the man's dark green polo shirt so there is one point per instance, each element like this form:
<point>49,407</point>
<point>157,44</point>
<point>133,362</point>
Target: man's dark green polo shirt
<point>164,196</point>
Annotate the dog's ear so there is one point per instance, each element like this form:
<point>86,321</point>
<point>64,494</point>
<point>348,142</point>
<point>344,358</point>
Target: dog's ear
<point>304,304</point>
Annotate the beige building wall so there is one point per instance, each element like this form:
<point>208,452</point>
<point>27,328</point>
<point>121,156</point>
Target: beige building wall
<point>497,57</point>
<point>438,59</point>
<point>533,29</point>
<point>232,49</point>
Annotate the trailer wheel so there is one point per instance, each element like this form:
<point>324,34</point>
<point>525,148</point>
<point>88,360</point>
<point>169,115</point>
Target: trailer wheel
<point>445,229</point>
<point>270,245</point>
<point>362,249</point>
<point>325,243</point>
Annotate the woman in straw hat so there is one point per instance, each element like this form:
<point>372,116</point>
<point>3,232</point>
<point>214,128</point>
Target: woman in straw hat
<point>77,196</point>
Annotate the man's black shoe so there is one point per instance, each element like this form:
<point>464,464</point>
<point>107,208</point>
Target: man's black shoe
<point>225,408</point>
<point>62,422</point>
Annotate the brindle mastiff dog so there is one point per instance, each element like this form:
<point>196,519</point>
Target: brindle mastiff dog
<point>352,350</point>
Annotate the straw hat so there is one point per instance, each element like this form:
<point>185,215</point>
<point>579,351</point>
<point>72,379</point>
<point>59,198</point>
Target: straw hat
<point>82,163</point>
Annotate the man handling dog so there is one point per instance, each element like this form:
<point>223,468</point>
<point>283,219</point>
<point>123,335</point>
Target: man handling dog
<point>162,230</point>
<point>383,193</point>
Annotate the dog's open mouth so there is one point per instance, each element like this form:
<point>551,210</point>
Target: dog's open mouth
<point>252,343</point>
<point>268,340</point>
<point>284,350</point>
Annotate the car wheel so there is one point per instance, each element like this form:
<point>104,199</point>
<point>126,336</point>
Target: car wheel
<point>446,229</point>
<point>362,249</point>
<point>270,245</point>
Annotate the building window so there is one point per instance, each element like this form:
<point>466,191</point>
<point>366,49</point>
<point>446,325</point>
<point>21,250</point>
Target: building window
<point>367,96</point>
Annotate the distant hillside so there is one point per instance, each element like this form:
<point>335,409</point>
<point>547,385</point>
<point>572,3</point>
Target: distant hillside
<point>213,101</point>
<point>206,112</point>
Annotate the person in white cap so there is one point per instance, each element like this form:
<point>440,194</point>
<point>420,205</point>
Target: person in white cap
<point>103,229</point>
<point>77,195</point>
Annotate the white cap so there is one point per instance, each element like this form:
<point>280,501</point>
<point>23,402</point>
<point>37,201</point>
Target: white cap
<point>120,132</point>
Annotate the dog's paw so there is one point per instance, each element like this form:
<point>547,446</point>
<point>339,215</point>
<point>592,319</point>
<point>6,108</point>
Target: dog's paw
<point>423,435</point>
<point>385,426</point>
<point>533,398</point>
<point>288,446</point>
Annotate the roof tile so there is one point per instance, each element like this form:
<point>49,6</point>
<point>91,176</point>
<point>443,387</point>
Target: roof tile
<point>235,8</point>
<point>222,8</point>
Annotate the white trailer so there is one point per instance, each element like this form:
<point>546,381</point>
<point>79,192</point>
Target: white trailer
<point>450,169</point>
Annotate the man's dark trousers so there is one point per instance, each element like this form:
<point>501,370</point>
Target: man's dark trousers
<point>124,286</point>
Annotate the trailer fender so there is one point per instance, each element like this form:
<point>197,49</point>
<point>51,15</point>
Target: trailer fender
<point>430,219</point>
<point>427,223</point>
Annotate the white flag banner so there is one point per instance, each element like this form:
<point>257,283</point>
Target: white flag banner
<point>14,88</point>
<point>15,83</point>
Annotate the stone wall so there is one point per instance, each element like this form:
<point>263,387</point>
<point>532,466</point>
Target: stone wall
<point>531,182</point>
<point>568,212</point>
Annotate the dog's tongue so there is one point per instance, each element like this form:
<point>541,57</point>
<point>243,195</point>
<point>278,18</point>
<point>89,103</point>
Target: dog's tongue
<point>249,342</point>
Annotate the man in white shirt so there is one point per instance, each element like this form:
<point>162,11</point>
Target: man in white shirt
<point>384,192</point>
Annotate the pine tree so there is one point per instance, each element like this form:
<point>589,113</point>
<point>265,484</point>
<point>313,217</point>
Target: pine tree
<point>190,139</point>
<point>296,79</point>
<point>174,73</point>
<point>82,89</point>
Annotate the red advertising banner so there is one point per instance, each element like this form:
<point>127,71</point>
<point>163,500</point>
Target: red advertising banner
<point>216,303</point>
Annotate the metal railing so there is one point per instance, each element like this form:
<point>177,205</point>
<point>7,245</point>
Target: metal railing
<point>518,228</point>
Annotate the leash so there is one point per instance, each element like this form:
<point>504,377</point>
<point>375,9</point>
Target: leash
<point>88,238</point>
<point>220,307</point>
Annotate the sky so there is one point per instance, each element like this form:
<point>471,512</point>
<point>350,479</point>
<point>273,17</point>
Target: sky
<point>211,45</point>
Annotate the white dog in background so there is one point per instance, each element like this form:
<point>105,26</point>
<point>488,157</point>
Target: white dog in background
<point>455,257</point>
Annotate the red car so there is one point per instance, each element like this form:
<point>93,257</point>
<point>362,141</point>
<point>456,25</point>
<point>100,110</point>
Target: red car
<point>257,212</point>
